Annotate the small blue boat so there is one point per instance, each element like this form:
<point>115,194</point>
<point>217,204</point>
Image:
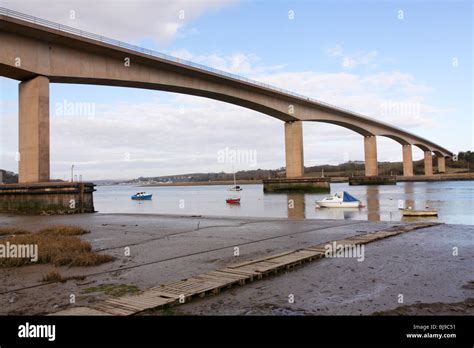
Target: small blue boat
<point>142,196</point>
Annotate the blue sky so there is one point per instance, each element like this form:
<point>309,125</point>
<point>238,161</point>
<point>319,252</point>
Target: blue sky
<point>356,54</point>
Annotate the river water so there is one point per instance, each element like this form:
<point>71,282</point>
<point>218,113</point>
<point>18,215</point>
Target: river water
<point>454,201</point>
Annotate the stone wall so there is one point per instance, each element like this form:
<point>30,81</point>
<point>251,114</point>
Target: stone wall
<point>315,185</point>
<point>47,198</point>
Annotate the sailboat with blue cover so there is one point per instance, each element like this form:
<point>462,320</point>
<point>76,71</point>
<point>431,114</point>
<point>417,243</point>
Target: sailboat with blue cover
<point>340,200</point>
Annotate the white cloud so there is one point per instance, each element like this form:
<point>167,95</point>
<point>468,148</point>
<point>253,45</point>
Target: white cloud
<point>359,58</point>
<point>366,94</point>
<point>356,59</point>
<point>156,137</point>
<point>159,21</point>
<point>334,51</point>
<point>238,63</point>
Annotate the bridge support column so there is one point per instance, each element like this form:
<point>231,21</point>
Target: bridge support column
<point>428,163</point>
<point>370,147</point>
<point>441,164</point>
<point>294,149</point>
<point>34,130</point>
<point>407,160</point>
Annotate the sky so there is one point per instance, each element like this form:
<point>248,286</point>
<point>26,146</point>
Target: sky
<point>408,63</point>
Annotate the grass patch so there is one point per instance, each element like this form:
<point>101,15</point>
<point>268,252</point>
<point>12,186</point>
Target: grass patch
<point>8,231</point>
<point>113,289</point>
<point>55,276</point>
<point>57,245</point>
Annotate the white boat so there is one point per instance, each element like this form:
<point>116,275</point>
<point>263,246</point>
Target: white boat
<point>340,200</point>
<point>236,187</point>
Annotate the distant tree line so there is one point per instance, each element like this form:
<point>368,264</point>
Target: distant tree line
<point>7,177</point>
<point>256,174</point>
<point>467,156</point>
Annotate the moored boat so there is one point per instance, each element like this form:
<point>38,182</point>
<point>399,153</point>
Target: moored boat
<point>142,196</point>
<point>235,187</point>
<point>340,200</point>
<point>233,200</point>
<point>413,212</point>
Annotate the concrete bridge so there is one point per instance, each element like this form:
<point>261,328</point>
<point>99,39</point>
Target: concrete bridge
<point>37,52</point>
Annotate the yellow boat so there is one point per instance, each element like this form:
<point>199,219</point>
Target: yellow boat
<point>412,212</point>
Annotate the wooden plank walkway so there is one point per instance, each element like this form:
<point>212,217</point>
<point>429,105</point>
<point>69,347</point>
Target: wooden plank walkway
<point>213,282</point>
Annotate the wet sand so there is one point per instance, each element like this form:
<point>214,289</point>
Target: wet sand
<point>418,265</point>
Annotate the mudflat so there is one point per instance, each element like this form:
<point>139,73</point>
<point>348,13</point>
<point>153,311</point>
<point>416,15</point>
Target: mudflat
<point>405,274</point>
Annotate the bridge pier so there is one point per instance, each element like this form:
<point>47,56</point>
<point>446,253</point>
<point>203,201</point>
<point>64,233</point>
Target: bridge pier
<point>407,160</point>
<point>370,147</point>
<point>34,193</point>
<point>441,164</point>
<point>34,130</point>
<point>428,163</point>
<point>294,149</point>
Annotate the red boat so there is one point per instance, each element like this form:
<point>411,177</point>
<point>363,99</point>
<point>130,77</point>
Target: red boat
<point>233,200</point>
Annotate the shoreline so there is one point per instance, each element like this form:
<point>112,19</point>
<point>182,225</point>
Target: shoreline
<point>217,217</point>
<point>202,183</point>
<point>256,218</point>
